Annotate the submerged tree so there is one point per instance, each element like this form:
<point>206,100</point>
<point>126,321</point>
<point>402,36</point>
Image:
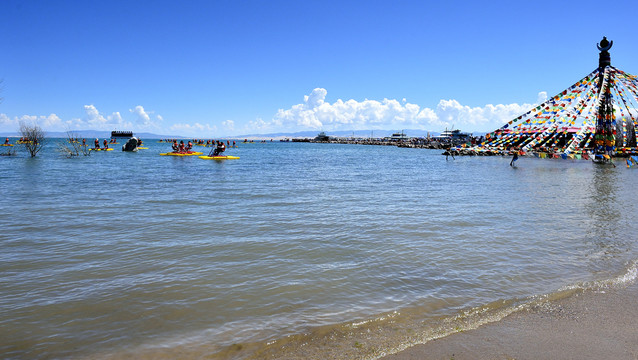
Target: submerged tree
<point>9,152</point>
<point>72,146</point>
<point>32,138</point>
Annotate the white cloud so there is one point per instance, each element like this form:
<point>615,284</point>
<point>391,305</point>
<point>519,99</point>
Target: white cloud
<point>92,115</point>
<point>228,125</point>
<point>51,121</point>
<point>92,119</point>
<point>260,126</point>
<point>46,122</point>
<point>5,121</point>
<point>542,97</point>
<point>142,117</point>
<point>315,113</point>
<point>96,121</point>
<point>144,121</point>
<point>196,130</point>
<point>43,121</point>
<point>487,118</point>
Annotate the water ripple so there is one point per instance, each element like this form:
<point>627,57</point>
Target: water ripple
<point>165,252</point>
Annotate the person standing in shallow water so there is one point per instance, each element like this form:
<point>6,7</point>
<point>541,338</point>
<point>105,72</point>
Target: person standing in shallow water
<point>514,158</point>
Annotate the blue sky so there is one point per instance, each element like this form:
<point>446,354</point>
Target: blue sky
<point>223,68</point>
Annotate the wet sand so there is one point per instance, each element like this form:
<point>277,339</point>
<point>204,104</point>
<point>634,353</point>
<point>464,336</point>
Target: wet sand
<point>600,324</point>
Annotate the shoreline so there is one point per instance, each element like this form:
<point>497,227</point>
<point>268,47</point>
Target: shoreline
<point>589,320</point>
<point>590,324</point>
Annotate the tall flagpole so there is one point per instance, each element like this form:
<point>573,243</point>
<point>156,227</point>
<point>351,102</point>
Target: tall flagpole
<point>605,123</point>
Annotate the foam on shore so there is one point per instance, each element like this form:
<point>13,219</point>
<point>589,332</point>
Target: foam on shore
<point>593,320</point>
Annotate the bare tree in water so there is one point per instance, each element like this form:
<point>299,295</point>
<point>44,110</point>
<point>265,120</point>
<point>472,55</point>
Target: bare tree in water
<point>32,137</point>
<point>72,146</point>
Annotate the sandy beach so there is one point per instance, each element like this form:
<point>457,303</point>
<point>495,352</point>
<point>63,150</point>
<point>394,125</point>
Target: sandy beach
<point>598,324</point>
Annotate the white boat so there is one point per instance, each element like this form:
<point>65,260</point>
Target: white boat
<point>452,135</point>
<point>399,137</point>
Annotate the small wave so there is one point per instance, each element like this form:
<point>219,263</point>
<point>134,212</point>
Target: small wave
<point>393,332</point>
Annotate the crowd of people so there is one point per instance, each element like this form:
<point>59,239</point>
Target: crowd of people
<point>218,147</point>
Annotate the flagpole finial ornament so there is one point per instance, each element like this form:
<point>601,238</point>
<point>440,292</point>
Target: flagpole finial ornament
<point>604,59</point>
<point>604,44</point>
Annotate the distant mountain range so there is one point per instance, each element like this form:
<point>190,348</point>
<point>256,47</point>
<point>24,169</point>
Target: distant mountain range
<point>282,135</point>
<point>342,134</point>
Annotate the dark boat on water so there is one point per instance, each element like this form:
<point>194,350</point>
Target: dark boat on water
<point>322,137</point>
<point>121,134</point>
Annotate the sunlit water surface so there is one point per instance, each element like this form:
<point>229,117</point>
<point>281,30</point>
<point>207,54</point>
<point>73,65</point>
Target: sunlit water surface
<point>135,254</point>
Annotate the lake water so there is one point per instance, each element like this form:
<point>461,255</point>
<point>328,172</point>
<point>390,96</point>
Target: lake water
<point>296,250</point>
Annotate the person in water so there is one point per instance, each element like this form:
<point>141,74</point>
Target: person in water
<point>97,143</point>
<point>449,152</point>
<point>83,142</point>
<point>106,144</point>
<point>175,146</point>
<point>189,146</point>
<point>221,147</point>
<point>181,146</point>
<point>6,141</point>
<point>514,158</point>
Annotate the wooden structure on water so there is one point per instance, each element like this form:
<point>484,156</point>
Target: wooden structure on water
<point>124,134</point>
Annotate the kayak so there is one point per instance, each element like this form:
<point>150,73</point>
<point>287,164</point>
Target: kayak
<point>143,148</point>
<point>7,144</point>
<point>101,149</point>
<point>219,157</point>
<point>181,154</point>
